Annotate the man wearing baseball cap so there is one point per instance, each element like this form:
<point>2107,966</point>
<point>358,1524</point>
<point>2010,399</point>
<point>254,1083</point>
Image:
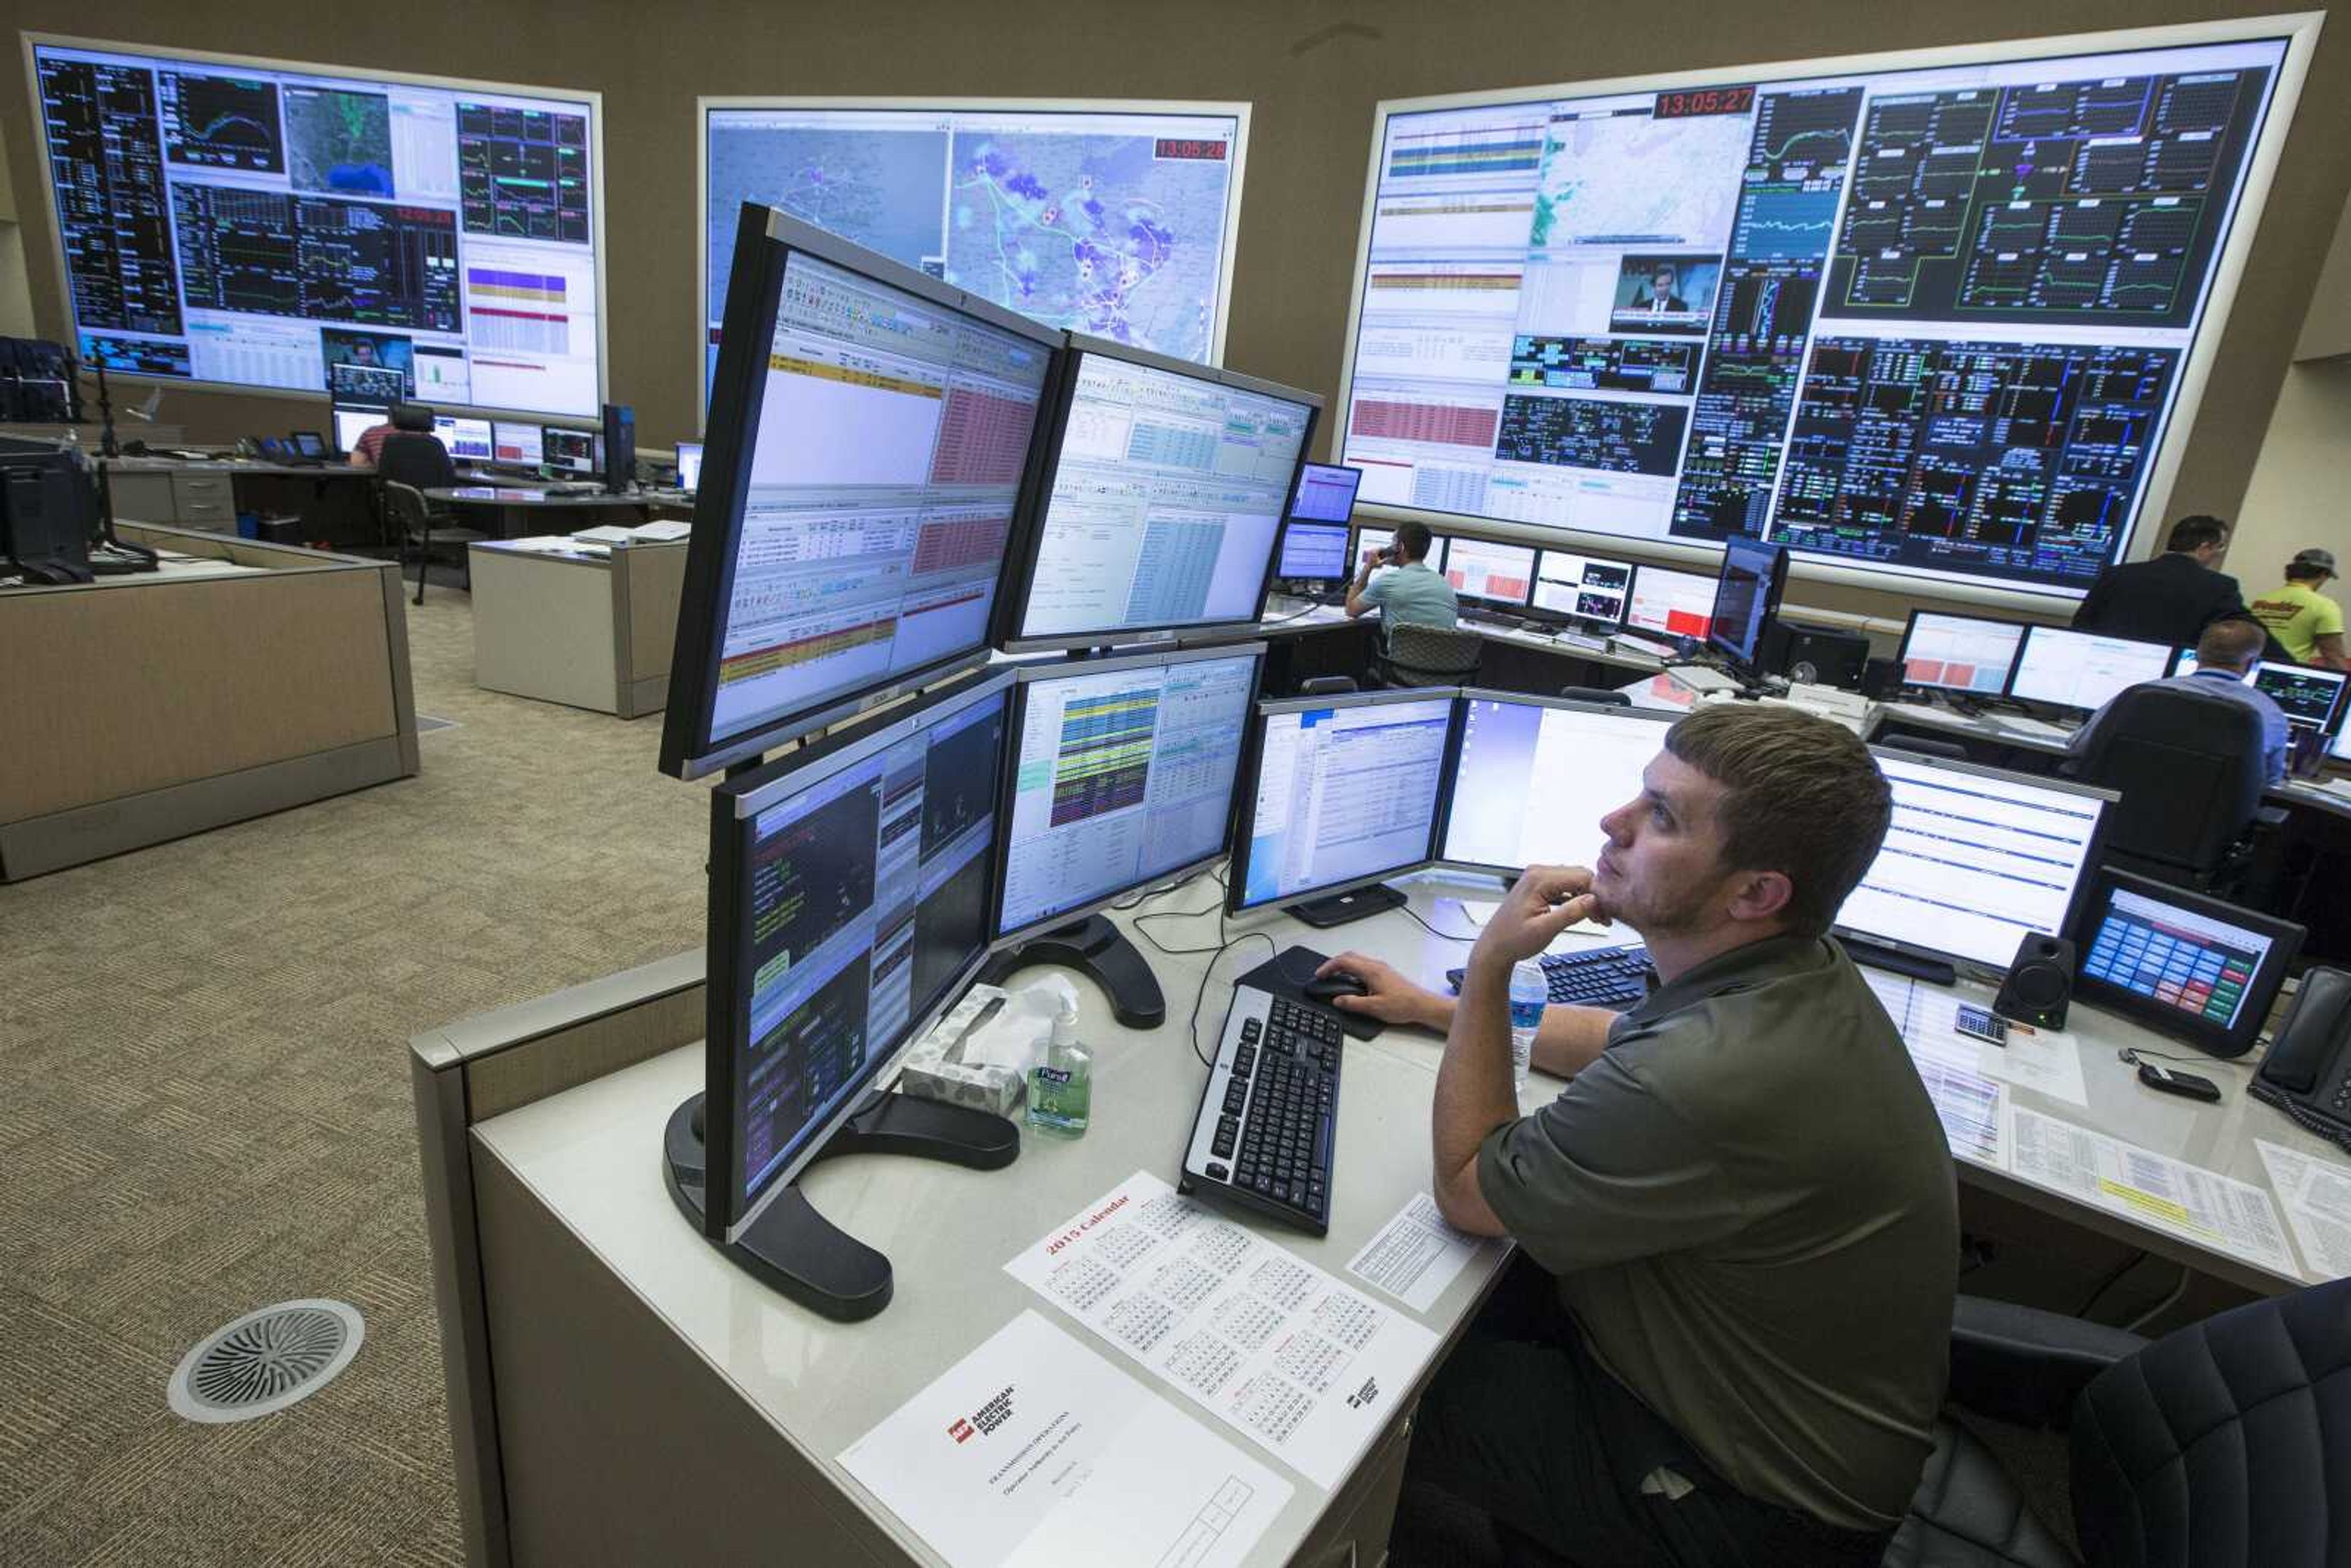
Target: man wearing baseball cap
<point>2306,623</point>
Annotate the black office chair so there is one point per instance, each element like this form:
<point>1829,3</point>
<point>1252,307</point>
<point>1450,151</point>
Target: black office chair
<point>1327,685</point>
<point>409,464</point>
<point>1601,696</point>
<point>1430,656</point>
<point>2225,1441</point>
<point>2187,765</point>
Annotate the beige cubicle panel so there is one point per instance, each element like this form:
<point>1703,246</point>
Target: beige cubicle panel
<point>571,626</point>
<point>147,707</point>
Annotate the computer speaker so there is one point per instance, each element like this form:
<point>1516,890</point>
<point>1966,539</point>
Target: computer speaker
<point>1815,655</point>
<point>2040,982</point>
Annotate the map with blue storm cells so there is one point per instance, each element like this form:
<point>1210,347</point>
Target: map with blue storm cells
<point>1916,315</point>
<point>1077,219</point>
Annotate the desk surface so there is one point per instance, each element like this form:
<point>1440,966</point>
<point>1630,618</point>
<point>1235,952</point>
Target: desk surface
<point>539,496</point>
<point>590,1155</point>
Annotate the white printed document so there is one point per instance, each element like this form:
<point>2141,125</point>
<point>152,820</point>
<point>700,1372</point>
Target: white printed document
<point>2316,1197</point>
<point>1970,1106</point>
<point>1034,1450</point>
<point>2155,1190</point>
<point>1415,1255</point>
<point>1310,1368</point>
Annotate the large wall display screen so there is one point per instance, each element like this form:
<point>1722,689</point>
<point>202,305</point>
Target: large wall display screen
<point>1931,317</point>
<point>1114,220</point>
<point>256,224</point>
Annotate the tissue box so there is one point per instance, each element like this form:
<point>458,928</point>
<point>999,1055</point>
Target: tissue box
<point>932,1070</point>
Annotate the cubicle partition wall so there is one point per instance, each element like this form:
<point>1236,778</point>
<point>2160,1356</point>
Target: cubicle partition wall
<point>144,709</point>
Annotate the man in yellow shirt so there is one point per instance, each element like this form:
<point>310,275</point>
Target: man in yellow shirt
<point>2307,624</point>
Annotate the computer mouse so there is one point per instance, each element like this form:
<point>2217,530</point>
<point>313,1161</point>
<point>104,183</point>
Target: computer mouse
<point>1336,984</point>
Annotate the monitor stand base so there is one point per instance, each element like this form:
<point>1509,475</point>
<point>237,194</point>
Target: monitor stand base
<point>1933,971</point>
<point>799,1251</point>
<point>1099,951</point>
<point>1339,908</point>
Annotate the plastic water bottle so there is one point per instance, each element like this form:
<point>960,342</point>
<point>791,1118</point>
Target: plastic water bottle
<point>1530,994</point>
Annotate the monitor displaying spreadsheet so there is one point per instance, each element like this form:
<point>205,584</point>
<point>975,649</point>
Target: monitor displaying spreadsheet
<point>1312,552</point>
<point>1959,653</point>
<point>2081,669</point>
<point>1344,791</point>
<point>1488,572</point>
<point>1670,603</point>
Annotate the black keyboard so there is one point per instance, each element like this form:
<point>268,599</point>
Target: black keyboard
<point>1595,977</point>
<point>1270,1110</point>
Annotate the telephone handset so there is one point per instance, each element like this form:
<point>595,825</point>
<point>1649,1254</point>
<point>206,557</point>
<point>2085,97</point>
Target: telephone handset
<point>2307,1072</point>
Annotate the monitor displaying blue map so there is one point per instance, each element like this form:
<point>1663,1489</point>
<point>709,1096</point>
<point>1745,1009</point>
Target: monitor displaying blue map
<point>1113,221</point>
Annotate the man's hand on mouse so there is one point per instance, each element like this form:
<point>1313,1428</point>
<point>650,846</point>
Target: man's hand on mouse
<point>1545,901</point>
<point>1388,995</point>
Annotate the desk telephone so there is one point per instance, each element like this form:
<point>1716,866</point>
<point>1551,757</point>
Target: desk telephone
<point>2307,1072</point>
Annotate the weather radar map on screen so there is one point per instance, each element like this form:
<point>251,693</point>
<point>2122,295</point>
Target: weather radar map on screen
<point>1112,224</point>
<point>272,226</point>
<point>1916,317</point>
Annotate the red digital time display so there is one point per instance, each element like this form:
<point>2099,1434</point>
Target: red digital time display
<point>1179,147</point>
<point>1705,100</point>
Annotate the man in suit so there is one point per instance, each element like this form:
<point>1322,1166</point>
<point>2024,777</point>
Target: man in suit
<point>1659,296</point>
<point>2169,597</point>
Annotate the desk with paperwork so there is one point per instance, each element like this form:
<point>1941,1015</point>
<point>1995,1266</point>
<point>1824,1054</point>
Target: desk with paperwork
<point>705,1383</point>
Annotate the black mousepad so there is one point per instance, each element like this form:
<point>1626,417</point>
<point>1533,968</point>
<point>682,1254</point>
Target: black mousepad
<point>1286,974</point>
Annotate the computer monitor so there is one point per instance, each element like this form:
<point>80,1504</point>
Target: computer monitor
<point>569,451</point>
<point>1669,603</point>
<point>351,423</point>
<point>469,440</point>
<point>1339,792</point>
<point>689,465</point>
<point>2187,965</point>
<point>848,904</point>
<point>1535,775</point>
<point>1490,572</point>
<point>1313,553</point>
<point>1973,859</point>
<point>2081,670</point>
<point>2312,697</point>
<point>514,445</point>
<point>864,462</point>
<point>1582,588</point>
<point>620,454</point>
<point>311,445</point>
<point>1162,485</point>
<point>1746,597</point>
<point>1122,775</point>
<point>1959,653</point>
<point>1325,493</point>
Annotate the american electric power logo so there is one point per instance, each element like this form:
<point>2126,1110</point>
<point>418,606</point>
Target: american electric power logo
<point>984,1420</point>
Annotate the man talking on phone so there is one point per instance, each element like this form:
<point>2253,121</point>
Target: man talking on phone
<point>1407,593</point>
<point>1726,1340</point>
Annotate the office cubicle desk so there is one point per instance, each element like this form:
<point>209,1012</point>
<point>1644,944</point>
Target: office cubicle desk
<point>335,501</point>
<point>1309,640</point>
<point>620,1393</point>
<point>154,706</point>
<point>590,630</point>
<point>518,509</point>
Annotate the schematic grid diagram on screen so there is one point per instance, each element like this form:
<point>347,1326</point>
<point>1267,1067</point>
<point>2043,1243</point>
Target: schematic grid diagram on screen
<point>1166,492</point>
<point>273,225</point>
<point>1912,314</point>
<point>881,479</point>
<point>865,896</point>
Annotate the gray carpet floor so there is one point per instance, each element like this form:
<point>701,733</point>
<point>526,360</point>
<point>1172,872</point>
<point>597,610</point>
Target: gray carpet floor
<point>204,1108</point>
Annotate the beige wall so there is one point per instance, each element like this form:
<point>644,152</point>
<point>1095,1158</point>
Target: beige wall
<point>2301,489</point>
<point>1313,72</point>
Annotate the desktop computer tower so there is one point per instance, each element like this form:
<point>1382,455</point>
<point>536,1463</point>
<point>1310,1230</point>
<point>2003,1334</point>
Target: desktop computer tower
<point>1815,655</point>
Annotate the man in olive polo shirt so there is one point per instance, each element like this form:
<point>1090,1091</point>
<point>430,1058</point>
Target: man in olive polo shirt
<point>1743,1201</point>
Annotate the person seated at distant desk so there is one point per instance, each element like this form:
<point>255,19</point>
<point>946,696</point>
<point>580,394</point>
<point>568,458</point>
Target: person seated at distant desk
<point>2169,597</point>
<point>1730,1343</point>
<point>2306,623</point>
<point>2225,657</point>
<point>1399,584</point>
<point>415,417</point>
